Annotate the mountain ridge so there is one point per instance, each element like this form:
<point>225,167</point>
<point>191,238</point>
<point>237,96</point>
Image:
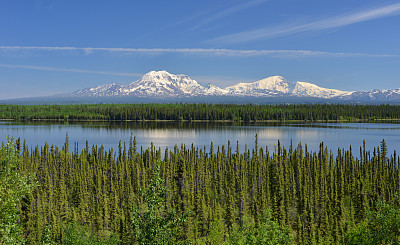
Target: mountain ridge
<point>161,84</point>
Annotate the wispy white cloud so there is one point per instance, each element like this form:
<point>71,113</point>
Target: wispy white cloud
<point>329,23</point>
<point>193,17</point>
<point>216,13</point>
<point>202,18</point>
<point>50,68</point>
<point>227,11</point>
<point>198,51</point>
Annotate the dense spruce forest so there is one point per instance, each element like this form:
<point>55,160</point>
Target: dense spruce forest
<point>209,112</point>
<point>188,195</point>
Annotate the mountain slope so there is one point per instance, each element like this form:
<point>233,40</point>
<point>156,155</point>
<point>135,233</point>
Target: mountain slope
<point>113,89</point>
<point>154,84</point>
<point>161,84</point>
<point>277,85</point>
<point>270,86</point>
<point>312,90</point>
<point>374,95</point>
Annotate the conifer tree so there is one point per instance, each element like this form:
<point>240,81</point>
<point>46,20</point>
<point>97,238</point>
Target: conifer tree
<point>13,187</point>
<point>155,225</point>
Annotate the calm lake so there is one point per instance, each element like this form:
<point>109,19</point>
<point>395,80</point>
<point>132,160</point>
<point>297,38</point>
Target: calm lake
<point>169,134</point>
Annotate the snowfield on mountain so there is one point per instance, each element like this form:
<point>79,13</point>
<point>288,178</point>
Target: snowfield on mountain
<point>161,84</point>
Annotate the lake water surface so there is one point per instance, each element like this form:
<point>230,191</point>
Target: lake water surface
<point>169,134</point>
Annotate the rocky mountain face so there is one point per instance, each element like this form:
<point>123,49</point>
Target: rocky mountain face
<point>161,84</point>
<point>376,94</point>
<point>279,86</point>
<point>154,84</point>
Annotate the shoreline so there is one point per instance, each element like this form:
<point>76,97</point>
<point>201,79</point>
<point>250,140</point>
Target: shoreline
<point>208,121</point>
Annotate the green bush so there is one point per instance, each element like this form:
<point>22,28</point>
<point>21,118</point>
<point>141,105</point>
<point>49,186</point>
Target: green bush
<point>379,227</point>
<point>13,187</point>
<point>267,231</point>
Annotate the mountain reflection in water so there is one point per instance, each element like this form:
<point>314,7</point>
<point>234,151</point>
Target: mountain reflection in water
<point>201,134</point>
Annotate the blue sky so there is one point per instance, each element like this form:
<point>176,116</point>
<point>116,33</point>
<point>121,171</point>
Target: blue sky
<point>55,46</point>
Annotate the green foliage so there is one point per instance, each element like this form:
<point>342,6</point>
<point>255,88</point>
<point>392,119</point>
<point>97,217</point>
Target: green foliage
<point>154,224</point>
<point>380,227</point>
<point>316,196</point>
<point>13,187</point>
<point>47,236</point>
<point>179,112</point>
<point>359,234</point>
<point>267,232</point>
<point>75,234</point>
<point>217,232</point>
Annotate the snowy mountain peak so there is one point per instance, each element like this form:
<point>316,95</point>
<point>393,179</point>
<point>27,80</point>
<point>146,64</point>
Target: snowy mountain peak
<point>312,90</point>
<point>158,75</point>
<point>166,77</point>
<point>162,72</point>
<point>276,83</point>
<point>165,84</point>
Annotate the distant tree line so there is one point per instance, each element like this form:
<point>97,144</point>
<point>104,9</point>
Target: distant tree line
<point>204,195</point>
<point>209,112</point>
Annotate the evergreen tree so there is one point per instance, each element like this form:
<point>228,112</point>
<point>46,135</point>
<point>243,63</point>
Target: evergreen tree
<point>14,186</point>
<point>155,225</point>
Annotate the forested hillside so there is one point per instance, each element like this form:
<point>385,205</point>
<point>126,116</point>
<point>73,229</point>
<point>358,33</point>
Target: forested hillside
<point>118,112</point>
<point>209,195</point>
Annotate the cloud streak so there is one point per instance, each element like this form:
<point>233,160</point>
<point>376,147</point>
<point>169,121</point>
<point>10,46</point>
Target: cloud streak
<point>329,23</point>
<point>228,11</point>
<point>211,15</point>
<point>50,68</point>
<point>197,51</point>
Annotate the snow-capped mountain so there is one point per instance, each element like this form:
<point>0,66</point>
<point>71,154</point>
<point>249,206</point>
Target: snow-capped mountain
<point>277,85</point>
<point>113,89</point>
<point>375,95</point>
<point>312,90</point>
<point>154,84</point>
<point>213,90</point>
<point>162,84</point>
<point>270,86</point>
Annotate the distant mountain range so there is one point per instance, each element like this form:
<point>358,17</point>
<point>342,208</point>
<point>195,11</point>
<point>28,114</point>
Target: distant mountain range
<point>161,84</point>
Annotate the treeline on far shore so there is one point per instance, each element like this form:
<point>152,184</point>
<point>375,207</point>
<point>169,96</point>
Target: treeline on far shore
<point>207,112</point>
